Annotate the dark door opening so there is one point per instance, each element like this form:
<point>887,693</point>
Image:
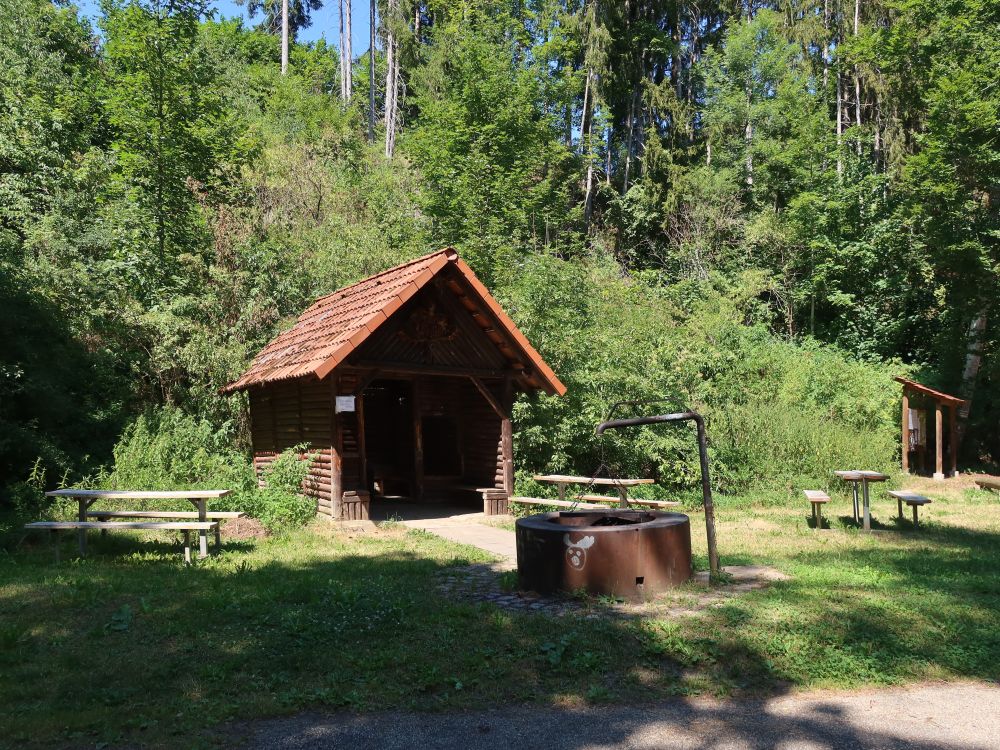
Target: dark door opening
<point>442,456</point>
<point>389,438</point>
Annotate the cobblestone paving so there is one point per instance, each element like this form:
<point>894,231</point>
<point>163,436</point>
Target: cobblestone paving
<point>483,582</point>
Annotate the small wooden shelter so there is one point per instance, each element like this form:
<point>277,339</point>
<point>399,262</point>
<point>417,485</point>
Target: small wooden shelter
<point>916,437</point>
<point>402,384</point>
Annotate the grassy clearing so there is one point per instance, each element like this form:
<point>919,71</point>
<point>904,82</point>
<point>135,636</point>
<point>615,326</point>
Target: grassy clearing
<point>129,645</point>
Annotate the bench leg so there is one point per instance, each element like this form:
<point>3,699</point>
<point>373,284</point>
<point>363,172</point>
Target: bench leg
<point>819,516</point>
<point>914,516</point>
<point>855,492</point>
<point>899,504</point>
<point>218,538</point>
<point>187,547</point>
<point>54,538</point>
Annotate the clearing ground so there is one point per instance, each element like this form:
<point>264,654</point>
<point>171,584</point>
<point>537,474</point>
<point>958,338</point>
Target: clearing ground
<point>129,646</point>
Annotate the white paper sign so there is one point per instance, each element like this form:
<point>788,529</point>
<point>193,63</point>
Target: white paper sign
<point>345,403</point>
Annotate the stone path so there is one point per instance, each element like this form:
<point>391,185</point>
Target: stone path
<point>467,529</point>
<point>955,716</point>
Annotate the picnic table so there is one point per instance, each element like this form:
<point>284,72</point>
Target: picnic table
<point>199,498</point>
<point>562,481</point>
<point>855,476</point>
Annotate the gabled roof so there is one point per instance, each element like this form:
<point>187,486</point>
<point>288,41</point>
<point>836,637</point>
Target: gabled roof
<point>941,396</point>
<point>336,325</point>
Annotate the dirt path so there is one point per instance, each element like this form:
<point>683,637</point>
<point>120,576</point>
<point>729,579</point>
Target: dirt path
<point>954,715</point>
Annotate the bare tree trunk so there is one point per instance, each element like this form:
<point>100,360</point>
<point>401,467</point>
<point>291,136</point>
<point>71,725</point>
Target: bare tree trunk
<point>340,49</point>
<point>586,132</point>
<point>857,82</point>
<point>629,141</point>
<point>391,79</point>
<point>371,71</point>
<point>348,56</point>
<point>840,123</point>
<point>284,37</point>
<point>748,138</point>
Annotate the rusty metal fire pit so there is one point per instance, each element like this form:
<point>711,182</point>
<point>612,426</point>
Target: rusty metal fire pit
<point>630,554</point>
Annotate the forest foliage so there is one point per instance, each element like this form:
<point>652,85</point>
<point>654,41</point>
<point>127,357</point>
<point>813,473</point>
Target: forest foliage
<point>759,209</point>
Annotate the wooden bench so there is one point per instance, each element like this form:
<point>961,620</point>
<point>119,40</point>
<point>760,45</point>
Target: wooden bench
<point>989,483</point>
<point>214,515</point>
<point>910,498</point>
<point>631,501</point>
<point>818,498</point>
<point>186,526</point>
<point>555,503</point>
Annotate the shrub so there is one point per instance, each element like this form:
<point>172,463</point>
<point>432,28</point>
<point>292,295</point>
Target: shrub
<point>280,504</point>
<point>166,449</point>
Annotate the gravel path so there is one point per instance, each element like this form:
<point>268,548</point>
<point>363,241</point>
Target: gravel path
<point>955,715</point>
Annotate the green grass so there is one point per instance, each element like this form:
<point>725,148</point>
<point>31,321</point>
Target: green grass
<point>131,646</point>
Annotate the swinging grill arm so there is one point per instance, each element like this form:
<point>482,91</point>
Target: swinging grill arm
<point>706,484</point>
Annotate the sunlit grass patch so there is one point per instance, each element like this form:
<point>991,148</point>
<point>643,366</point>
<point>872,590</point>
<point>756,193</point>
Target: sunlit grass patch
<point>131,645</point>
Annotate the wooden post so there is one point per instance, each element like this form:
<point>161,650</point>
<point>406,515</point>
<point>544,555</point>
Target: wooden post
<point>359,413</point>
<point>507,437</point>
<point>418,444</point>
<point>336,462</point>
<point>938,442</point>
<point>81,534</point>
<point>953,451</point>
<point>906,431</point>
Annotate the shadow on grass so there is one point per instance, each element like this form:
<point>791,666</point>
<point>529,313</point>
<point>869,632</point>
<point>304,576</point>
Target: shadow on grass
<point>104,650</point>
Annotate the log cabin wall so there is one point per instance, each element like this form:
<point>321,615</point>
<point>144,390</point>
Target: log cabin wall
<point>290,413</point>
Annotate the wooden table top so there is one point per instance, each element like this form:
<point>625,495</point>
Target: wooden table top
<point>140,495</point>
<point>854,475</point>
<point>600,481</point>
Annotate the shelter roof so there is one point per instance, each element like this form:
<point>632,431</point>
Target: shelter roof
<point>913,385</point>
<point>335,325</point>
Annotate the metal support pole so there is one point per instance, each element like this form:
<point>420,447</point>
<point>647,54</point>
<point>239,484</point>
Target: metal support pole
<point>706,483</point>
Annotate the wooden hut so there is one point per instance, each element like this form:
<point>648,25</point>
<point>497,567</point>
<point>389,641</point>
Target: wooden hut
<point>916,435</point>
<point>402,385</point>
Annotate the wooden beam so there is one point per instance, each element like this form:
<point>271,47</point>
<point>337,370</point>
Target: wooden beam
<point>491,400</point>
<point>953,450</point>
<point>418,444</point>
<point>938,441</point>
<point>336,453</point>
<point>387,369</point>
<point>906,431</point>
<point>365,380</point>
<point>359,413</point>
<point>507,438</point>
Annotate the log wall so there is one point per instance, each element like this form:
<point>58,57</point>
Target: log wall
<point>290,413</point>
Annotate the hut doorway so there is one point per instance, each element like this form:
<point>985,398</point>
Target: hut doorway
<point>389,443</point>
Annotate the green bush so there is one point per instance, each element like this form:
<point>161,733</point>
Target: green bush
<point>780,414</point>
<point>166,449</point>
<point>280,504</point>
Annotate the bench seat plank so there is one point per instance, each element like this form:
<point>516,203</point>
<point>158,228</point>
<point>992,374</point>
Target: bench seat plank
<point>217,514</point>
<point>114,525</point>
<point>556,503</point>
<point>910,498</point>
<point>631,501</point>
<point>816,496</point>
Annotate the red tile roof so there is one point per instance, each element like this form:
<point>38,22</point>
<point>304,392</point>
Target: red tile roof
<point>335,325</point>
<point>913,385</point>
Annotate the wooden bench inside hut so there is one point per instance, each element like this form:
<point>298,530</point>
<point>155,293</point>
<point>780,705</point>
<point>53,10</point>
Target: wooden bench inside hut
<point>401,385</point>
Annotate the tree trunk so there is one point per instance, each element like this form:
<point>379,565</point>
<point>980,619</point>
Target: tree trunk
<point>371,71</point>
<point>340,51</point>
<point>748,138</point>
<point>973,360</point>
<point>587,132</point>
<point>840,123</point>
<point>857,82</point>
<point>284,37</point>
<point>629,141</point>
<point>391,79</point>
<point>348,56</point>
